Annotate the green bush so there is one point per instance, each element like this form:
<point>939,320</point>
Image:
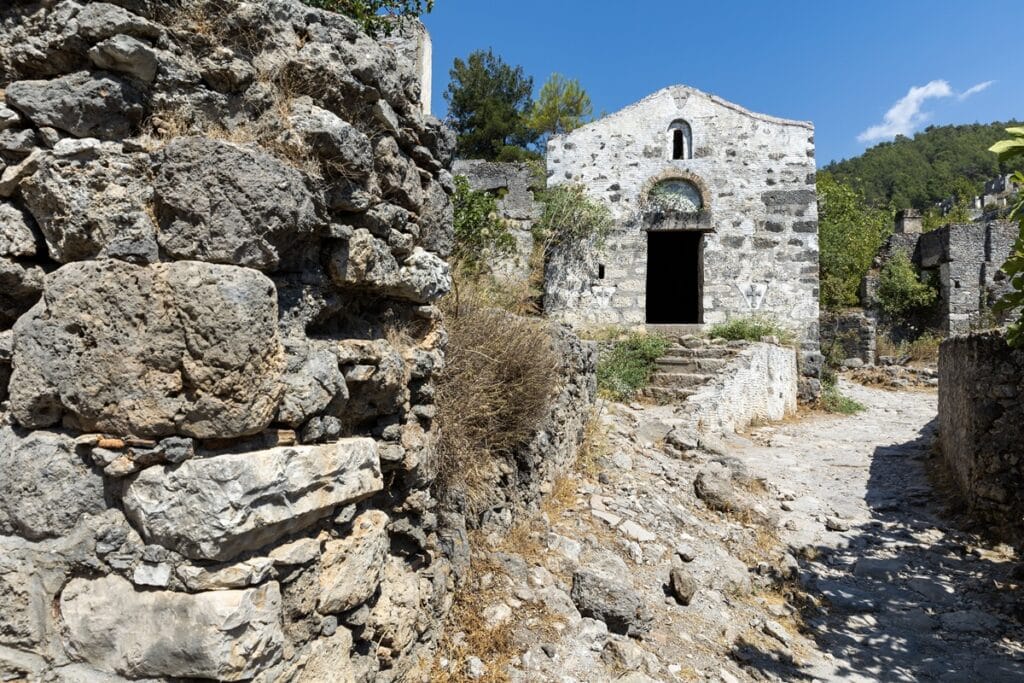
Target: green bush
<point>751,328</point>
<point>479,232</point>
<point>375,16</point>
<point>834,401</point>
<point>900,290</point>
<point>570,218</point>
<point>628,366</point>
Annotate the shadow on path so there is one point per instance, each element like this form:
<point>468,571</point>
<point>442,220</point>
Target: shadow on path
<point>907,596</point>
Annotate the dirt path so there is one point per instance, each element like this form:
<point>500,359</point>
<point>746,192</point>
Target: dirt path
<point>815,550</point>
<point>907,596</point>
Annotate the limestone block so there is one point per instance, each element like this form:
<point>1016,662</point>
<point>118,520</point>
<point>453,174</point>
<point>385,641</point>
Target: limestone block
<point>225,203</point>
<point>126,55</point>
<point>45,487</point>
<point>223,635</point>
<point>16,238</point>
<point>188,348</point>
<point>365,261</point>
<point>82,104</point>
<point>250,572</point>
<point>398,175</point>
<point>401,612</point>
<point>100,20</point>
<point>93,201</point>
<point>311,382</point>
<point>325,660</point>
<point>341,148</point>
<point>350,567</point>
<point>217,507</point>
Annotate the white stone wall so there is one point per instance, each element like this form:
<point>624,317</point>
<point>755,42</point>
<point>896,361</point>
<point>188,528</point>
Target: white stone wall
<point>759,385</point>
<point>756,175</point>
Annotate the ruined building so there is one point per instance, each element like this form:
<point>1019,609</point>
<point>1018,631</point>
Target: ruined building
<point>715,217</point>
<point>963,260</point>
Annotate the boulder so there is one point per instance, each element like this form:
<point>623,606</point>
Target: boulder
<point>350,567</point>
<point>126,55</point>
<point>82,104</point>
<point>683,585</point>
<point>602,597</point>
<point>225,203</point>
<point>216,507</point>
<point>45,487</point>
<point>16,237</point>
<point>93,201</point>
<point>187,348</point>
<point>223,635</point>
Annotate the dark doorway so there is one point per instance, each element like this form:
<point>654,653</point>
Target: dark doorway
<point>675,277</point>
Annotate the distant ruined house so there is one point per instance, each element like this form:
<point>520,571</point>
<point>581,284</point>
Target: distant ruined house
<point>715,217</point>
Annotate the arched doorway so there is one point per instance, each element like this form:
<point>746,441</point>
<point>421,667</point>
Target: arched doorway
<point>675,257</point>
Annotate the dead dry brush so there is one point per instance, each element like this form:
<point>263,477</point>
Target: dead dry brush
<point>499,379</point>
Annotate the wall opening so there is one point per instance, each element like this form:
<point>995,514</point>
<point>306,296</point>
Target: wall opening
<point>675,278</point>
<point>682,140</point>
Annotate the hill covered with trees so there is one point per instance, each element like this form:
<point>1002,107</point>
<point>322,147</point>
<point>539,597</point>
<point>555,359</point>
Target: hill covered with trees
<point>938,162</point>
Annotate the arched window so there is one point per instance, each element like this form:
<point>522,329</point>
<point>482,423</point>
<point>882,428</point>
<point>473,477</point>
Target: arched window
<point>675,195</point>
<point>682,140</point>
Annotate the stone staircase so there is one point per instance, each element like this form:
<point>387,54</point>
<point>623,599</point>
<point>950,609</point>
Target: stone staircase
<point>688,365</point>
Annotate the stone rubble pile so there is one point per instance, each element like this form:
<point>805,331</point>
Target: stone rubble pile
<point>222,235</point>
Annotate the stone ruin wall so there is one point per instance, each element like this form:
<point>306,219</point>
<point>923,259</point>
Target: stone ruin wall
<point>981,382</point>
<point>964,260</point>
<point>221,248</point>
<point>757,177</point>
<point>849,337</point>
<point>512,185</point>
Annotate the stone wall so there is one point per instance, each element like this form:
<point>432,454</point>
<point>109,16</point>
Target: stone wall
<point>223,233</point>
<point>758,385</point>
<point>512,185</point>
<point>981,382</point>
<point>753,177</point>
<point>849,335</point>
<point>967,259</point>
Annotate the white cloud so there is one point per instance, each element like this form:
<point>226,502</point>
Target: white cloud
<point>974,90</point>
<point>906,114</point>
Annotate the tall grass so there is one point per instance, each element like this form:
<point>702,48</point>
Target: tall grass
<point>627,368</point>
<point>752,328</point>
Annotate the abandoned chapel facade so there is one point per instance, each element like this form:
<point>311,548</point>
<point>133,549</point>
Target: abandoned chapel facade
<point>715,217</point>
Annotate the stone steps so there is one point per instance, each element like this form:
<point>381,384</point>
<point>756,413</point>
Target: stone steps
<point>704,352</point>
<point>690,365</point>
<point>667,395</point>
<point>680,380</point>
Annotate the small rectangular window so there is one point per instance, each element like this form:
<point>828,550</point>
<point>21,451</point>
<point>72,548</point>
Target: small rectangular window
<point>677,144</point>
<point>600,271</point>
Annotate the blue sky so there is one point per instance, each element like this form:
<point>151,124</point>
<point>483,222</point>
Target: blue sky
<point>842,65</point>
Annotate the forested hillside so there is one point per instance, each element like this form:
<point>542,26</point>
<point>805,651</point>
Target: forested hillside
<point>936,163</point>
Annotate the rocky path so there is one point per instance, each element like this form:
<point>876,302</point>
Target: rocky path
<point>905,596</point>
<point>816,549</point>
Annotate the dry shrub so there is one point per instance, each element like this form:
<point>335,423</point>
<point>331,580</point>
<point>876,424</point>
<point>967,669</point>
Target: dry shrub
<point>594,447</point>
<point>499,378</point>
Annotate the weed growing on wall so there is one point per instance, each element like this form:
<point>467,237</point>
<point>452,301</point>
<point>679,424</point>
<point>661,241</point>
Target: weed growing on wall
<point>752,328</point>
<point>627,368</point>
<point>479,232</point>
<point>375,16</point>
<point>570,218</point>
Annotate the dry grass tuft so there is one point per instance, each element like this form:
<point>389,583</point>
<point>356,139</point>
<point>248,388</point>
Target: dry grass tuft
<point>499,378</point>
<point>594,447</point>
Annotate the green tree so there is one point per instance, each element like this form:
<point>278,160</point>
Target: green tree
<point>1014,267</point>
<point>563,105</point>
<point>850,233</point>
<point>479,231</point>
<point>375,16</point>
<point>900,289</point>
<point>487,104</point>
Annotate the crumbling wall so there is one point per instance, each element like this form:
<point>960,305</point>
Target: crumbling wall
<point>981,382</point>
<point>222,232</point>
<point>848,335</point>
<point>512,185</point>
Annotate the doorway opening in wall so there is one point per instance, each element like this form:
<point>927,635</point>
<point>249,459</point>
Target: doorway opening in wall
<point>675,278</point>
